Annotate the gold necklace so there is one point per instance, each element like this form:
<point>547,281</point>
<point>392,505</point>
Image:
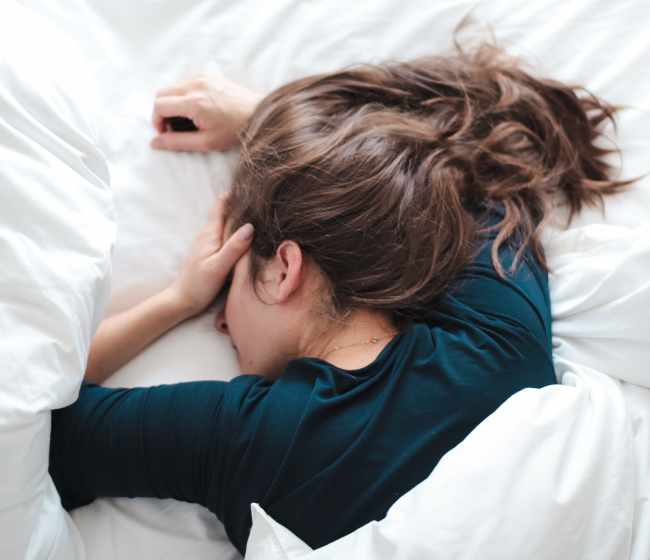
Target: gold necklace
<point>372,340</point>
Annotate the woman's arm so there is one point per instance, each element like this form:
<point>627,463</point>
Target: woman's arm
<point>182,441</point>
<point>143,442</point>
<point>121,337</point>
<point>217,106</point>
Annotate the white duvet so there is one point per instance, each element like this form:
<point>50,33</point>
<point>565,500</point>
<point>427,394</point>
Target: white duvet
<point>561,472</point>
<point>56,235</point>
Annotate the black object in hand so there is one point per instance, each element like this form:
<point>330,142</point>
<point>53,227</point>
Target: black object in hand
<point>181,124</point>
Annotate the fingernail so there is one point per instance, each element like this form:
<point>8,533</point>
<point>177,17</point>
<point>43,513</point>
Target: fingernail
<point>157,142</point>
<point>246,232</point>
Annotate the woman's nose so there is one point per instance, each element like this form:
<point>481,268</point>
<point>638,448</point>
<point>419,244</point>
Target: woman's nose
<point>221,323</point>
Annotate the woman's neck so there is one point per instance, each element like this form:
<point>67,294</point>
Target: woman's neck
<point>358,340</point>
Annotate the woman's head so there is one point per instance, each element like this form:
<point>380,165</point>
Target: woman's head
<point>373,172</point>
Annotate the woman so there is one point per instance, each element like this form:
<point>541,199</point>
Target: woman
<point>393,295</point>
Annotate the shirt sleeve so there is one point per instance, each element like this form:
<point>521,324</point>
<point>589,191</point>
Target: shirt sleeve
<point>480,297</point>
<point>159,442</point>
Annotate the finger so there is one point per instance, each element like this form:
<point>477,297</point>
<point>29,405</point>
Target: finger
<point>169,107</point>
<point>159,123</point>
<point>178,89</point>
<point>216,218</point>
<point>183,87</point>
<point>227,226</point>
<point>218,209</point>
<point>233,250</point>
<point>179,141</point>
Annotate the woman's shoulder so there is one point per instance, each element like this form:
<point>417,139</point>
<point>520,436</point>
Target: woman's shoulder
<point>517,295</point>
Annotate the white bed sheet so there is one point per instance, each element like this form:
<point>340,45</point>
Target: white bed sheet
<point>162,199</point>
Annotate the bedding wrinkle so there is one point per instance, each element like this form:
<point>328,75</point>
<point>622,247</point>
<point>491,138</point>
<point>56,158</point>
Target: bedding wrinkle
<point>57,234</point>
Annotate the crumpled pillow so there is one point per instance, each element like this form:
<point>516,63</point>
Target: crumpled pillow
<point>56,237</point>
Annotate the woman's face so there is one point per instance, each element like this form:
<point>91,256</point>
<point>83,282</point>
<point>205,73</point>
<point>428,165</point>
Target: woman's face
<point>260,330</point>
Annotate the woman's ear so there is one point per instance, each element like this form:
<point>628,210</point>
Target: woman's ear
<point>288,271</point>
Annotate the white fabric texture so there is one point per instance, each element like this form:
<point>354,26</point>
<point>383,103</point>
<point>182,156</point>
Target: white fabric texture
<point>546,473</point>
<point>56,237</point>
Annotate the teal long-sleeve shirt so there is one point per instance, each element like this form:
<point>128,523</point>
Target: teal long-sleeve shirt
<point>323,450</point>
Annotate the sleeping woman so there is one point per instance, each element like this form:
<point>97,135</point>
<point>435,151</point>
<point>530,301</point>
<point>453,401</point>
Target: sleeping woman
<point>387,291</point>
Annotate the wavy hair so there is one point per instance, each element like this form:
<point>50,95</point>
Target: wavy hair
<point>375,171</point>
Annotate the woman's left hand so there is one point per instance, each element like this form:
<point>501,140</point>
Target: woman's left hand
<point>217,106</point>
<point>210,260</point>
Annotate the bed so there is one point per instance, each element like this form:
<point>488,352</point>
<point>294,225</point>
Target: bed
<point>557,473</point>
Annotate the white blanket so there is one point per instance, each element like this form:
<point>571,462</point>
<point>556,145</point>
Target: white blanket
<point>56,235</point>
<point>563,476</point>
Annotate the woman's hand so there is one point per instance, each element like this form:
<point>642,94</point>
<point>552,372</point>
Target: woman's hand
<point>210,260</point>
<point>219,108</point>
<point>123,336</point>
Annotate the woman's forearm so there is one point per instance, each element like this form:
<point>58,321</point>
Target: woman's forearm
<point>123,336</point>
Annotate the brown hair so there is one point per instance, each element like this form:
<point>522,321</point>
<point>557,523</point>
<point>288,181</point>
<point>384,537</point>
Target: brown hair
<point>374,170</point>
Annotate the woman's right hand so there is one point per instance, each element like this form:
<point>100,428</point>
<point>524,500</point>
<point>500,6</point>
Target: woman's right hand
<point>219,108</point>
<point>123,336</point>
<point>212,257</point>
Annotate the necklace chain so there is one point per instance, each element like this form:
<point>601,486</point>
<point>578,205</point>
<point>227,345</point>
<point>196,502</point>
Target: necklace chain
<point>373,340</point>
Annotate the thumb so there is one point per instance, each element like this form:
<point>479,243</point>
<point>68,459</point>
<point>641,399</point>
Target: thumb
<point>179,141</point>
<point>233,249</point>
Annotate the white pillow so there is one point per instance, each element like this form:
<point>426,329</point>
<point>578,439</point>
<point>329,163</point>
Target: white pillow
<point>56,238</point>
